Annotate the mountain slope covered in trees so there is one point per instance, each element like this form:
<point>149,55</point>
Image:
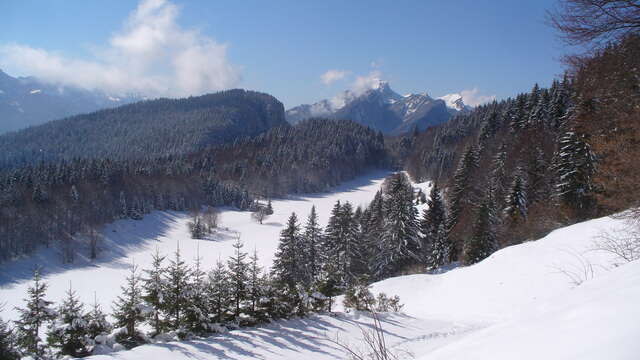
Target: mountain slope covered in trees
<point>49,203</point>
<point>146,129</point>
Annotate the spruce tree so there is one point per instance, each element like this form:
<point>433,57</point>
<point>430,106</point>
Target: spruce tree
<point>238,276</point>
<point>128,310</point>
<point>435,243</point>
<point>285,264</point>
<point>97,323</point>
<point>8,342</point>
<point>286,267</point>
<point>483,241</point>
<point>255,288</point>
<point>460,190</point>
<point>575,169</point>
<point>196,311</point>
<point>312,241</point>
<point>218,292</point>
<point>67,334</point>
<point>516,201</point>
<point>177,279</point>
<point>36,313</point>
<point>399,243</point>
<point>154,287</point>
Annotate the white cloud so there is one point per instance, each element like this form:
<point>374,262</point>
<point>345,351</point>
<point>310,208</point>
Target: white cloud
<point>151,55</point>
<point>472,97</point>
<point>359,86</point>
<point>366,82</point>
<point>332,76</point>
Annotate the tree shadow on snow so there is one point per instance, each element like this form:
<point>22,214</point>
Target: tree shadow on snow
<point>116,242</point>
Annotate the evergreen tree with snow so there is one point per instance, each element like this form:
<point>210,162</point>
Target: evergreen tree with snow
<point>97,323</point>
<point>238,270</point>
<point>196,312</point>
<point>269,208</point>
<point>311,245</point>
<point>483,241</point>
<point>516,201</point>
<point>285,264</point>
<point>8,342</point>
<point>154,287</point>
<point>128,310</point>
<point>177,277</point>
<point>255,288</point>
<point>67,334</point>
<point>36,313</point>
<point>435,242</point>
<point>575,168</point>
<point>287,268</point>
<point>460,197</point>
<point>218,292</point>
<point>399,243</point>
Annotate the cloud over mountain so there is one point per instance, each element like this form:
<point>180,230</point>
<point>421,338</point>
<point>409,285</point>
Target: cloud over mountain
<point>151,54</point>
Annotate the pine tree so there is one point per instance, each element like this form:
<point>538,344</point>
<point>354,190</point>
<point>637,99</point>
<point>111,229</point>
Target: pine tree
<point>436,245</point>
<point>154,293</point>
<point>8,342</point>
<point>238,277</point>
<point>312,241</point>
<point>36,313</point>
<point>177,279</point>
<point>128,310</point>
<point>269,207</point>
<point>67,333</point>
<point>399,243</point>
<point>218,292</point>
<point>536,171</point>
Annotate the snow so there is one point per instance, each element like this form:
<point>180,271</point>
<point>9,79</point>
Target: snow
<point>133,241</point>
<point>114,99</point>
<point>36,91</point>
<point>517,304</point>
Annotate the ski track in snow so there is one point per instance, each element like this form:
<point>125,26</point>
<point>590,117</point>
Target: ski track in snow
<point>516,304</point>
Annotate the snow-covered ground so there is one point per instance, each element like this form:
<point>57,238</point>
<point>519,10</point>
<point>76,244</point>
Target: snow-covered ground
<point>519,303</point>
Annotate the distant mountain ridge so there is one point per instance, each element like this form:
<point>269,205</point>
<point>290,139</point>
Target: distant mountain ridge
<point>383,109</point>
<point>27,101</point>
<point>146,129</point>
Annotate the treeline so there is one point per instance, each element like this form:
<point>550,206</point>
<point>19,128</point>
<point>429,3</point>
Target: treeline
<point>58,201</point>
<point>145,130</point>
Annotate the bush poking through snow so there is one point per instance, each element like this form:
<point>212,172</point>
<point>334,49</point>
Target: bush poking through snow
<point>358,297</point>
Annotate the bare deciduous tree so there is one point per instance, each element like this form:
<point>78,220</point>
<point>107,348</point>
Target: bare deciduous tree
<point>595,22</point>
<point>260,215</point>
<point>374,344</point>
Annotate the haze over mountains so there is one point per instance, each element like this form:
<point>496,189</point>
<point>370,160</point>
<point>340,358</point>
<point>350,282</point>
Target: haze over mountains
<point>28,101</point>
<point>383,109</point>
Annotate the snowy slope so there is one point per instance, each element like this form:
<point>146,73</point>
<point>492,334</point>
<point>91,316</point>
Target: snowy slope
<point>132,241</point>
<point>517,304</point>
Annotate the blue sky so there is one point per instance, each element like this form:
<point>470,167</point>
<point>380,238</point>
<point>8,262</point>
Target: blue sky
<point>175,48</point>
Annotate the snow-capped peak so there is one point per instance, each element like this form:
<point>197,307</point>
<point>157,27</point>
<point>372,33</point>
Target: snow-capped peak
<point>454,101</point>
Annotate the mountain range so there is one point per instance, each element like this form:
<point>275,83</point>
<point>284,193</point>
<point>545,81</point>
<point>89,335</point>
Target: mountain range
<point>383,109</point>
<point>28,101</point>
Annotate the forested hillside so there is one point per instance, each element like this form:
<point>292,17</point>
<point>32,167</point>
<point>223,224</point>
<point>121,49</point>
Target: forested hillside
<point>53,202</point>
<point>515,169</point>
<point>146,129</point>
